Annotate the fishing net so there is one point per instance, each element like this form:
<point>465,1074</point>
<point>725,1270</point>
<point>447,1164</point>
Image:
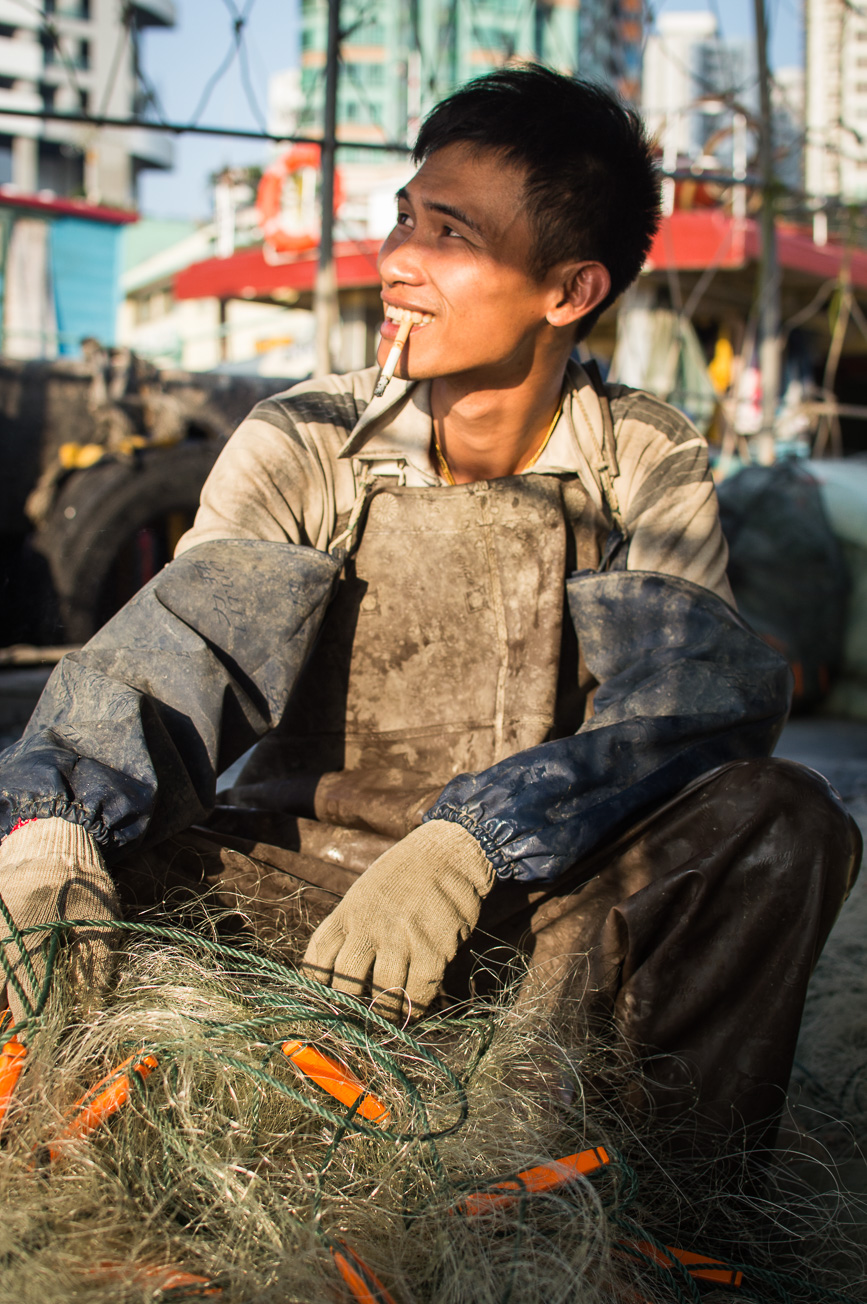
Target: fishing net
<point>222,1127</point>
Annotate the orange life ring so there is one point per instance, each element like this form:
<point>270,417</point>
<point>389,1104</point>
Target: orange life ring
<point>269,199</point>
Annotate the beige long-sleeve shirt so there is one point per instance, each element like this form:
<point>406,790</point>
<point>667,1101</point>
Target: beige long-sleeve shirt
<point>291,471</point>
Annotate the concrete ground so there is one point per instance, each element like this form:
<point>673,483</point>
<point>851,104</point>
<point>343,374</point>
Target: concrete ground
<point>828,1091</point>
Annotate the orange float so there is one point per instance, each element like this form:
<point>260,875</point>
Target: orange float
<point>269,199</point>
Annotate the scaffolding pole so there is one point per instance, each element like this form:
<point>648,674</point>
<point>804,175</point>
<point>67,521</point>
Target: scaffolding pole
<point>325,307</point>
<point>770,347</point>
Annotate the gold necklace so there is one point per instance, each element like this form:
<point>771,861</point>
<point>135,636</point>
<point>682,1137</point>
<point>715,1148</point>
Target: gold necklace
<point>446,471</point>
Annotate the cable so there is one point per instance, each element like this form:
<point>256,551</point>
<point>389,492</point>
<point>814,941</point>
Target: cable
<point>240,22</point>
<point>222,68</point>
<point>195,129</point>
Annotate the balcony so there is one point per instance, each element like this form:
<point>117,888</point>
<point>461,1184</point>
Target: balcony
<point>21,60</point>
<point>154,149</point>
<point>14,14</point>
<point>155,13</point>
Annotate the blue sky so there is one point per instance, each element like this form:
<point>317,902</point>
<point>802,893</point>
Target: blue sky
<point>179,62</point>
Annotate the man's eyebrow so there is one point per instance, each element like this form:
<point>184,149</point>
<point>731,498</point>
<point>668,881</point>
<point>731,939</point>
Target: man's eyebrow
<point>448,210</point>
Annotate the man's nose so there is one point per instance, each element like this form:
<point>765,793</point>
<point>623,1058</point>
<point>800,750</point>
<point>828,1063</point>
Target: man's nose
<point>400,261</point>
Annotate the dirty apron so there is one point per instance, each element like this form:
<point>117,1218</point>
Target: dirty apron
<point>440,653</point>
<point>448,647</point>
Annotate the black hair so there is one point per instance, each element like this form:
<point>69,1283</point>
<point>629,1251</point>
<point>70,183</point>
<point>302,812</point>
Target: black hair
<point>592,186</point>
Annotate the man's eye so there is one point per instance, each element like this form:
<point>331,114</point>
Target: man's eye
<point>403,219</point>
<point>450,230</point>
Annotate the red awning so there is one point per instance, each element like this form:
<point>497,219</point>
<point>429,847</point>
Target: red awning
<point>695,239</point>
<point>45,202</point>
<point>247,275</point>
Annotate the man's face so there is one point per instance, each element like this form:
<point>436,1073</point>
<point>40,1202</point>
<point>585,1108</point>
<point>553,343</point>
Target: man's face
<point>459,255</point>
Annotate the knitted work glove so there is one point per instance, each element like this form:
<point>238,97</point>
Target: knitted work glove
<point>404,919</point>
<point>52,869</point>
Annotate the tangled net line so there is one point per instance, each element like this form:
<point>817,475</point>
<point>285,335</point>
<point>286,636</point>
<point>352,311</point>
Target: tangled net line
<point>241,1178</point>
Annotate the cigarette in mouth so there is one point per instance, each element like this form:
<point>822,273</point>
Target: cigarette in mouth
<point>393,358</point>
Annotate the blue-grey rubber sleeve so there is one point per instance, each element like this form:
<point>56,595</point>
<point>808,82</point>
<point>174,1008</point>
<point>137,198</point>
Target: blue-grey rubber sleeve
<point>132,731</point>
<point>684,686</point>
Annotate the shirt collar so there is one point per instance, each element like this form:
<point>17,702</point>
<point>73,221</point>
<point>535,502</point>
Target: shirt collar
<point>398,425</point>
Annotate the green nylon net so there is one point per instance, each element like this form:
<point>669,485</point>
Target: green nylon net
<point>228,1174</point>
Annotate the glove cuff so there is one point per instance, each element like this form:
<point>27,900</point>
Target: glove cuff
<point>449,843</point>
<point>53,840</point>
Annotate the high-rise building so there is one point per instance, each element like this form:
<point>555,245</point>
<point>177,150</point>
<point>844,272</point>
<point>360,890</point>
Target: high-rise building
<point>611,43</point>
<point>399,57</point>
<point>76,56</point>
<point>836,99</point>
<point>692,82</point>
<point>787,101</point>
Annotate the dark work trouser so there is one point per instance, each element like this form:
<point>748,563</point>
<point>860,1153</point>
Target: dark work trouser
<point>695,932</point>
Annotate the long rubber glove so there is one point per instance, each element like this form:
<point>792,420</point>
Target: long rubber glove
<point>53,869</point>
<point>404,919</point>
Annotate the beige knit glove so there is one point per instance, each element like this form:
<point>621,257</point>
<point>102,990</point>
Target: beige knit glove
<point>52,869</point>
<point>404,919</point>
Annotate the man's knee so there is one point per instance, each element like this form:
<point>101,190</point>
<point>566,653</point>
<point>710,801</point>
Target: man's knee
<point>792,809</point>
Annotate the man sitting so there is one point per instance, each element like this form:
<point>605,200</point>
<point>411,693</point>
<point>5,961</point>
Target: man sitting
<point>485,623</point>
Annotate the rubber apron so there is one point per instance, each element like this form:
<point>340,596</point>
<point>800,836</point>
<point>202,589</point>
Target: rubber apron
<point>443,651</point>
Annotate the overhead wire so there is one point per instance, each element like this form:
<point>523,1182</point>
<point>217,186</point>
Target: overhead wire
<point>227,61</point>
<point>240,20</point>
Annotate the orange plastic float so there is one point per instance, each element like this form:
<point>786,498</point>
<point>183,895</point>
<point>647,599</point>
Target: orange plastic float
<point>157,1278</point>
<point>699,1266</point>
<point>12,1057</point>
<point>535,1181</point>
<point>108,1096</point>
<point>363,1283</point>
<point>336,1079</point>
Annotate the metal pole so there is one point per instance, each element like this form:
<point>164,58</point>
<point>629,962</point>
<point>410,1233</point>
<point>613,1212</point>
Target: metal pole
<point>769,269</point>
<point>325,307</point>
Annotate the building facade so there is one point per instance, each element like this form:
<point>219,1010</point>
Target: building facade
<point>693,80</point>
<point>76,56</point>
<point>400,57</point>
<point>836,99</point>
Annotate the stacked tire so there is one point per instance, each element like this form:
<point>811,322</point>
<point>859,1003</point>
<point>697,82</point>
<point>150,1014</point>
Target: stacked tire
<point>115,525</point>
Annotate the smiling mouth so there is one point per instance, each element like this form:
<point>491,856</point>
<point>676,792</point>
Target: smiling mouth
<point>406,314</point>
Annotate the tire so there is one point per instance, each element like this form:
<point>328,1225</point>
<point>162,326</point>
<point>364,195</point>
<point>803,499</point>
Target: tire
<point>115,525</point>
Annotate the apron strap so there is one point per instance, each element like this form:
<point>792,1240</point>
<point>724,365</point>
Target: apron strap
<point>368,468</point>
<point>606,457</point>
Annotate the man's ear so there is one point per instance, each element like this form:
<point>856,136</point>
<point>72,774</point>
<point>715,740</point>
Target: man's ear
<point>577,290</point>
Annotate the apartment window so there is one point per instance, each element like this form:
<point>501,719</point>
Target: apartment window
<point>69,8</point>
<point>61,168</point>
<point>5,160</point>
<point>368,33</point>
<point>491,38</point>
